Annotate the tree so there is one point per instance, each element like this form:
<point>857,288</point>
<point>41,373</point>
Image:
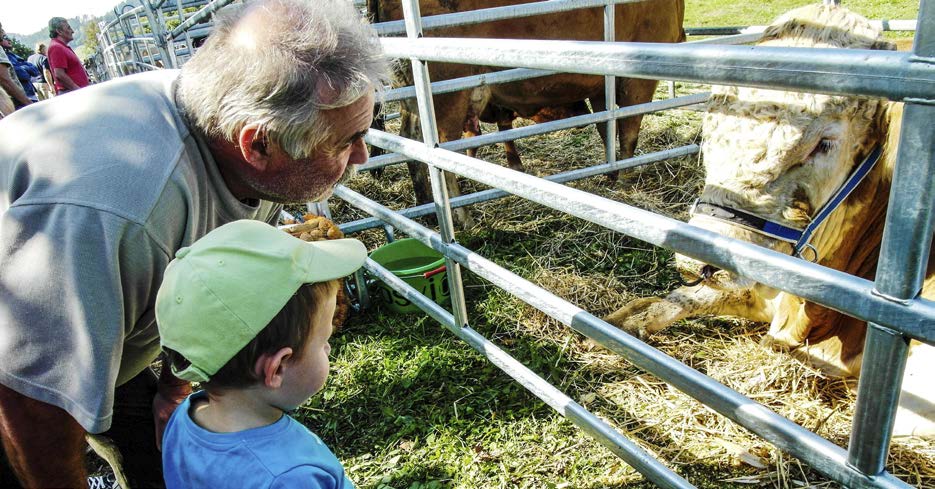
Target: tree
<point>91,31</point>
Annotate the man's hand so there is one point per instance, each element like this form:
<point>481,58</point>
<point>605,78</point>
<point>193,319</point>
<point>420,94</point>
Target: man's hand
<point>170,393</point>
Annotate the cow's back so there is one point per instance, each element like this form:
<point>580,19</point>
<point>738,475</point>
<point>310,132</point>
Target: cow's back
<point>648,21</point>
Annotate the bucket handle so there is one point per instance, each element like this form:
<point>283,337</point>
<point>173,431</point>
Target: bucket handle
<point>434,272</point>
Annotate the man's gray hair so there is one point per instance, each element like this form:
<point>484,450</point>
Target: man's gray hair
<point>308,56</point>
<point>54,24</point>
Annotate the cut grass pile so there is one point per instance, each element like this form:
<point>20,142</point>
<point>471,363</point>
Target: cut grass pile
<point>410,406</point>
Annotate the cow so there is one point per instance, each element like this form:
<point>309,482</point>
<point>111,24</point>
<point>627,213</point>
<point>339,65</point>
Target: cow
<point>647,21</point>
<point>780,156</point>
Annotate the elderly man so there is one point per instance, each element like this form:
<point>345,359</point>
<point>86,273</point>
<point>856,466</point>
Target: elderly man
<point>67,71</point>
<point>9,83</point>
<point>100,188</point>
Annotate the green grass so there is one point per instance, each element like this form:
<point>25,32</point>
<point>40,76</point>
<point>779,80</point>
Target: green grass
<point>409,406</point>
<point>718,13</point>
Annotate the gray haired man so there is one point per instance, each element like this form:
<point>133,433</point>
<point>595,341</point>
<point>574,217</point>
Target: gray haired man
<point>100,188</point>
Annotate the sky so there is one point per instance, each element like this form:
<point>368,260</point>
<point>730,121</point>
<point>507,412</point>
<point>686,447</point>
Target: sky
<point>27,17</point>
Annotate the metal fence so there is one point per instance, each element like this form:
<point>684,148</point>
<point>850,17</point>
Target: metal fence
<point>161,33</point>
<point>890,305</point>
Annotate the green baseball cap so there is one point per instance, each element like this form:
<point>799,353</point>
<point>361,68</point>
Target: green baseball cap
<point>221,291</point>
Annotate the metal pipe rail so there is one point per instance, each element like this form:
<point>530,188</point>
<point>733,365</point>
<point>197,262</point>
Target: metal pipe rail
<point>537,129</point>
<point>564,177</point>
<point>456,84</point>
<point>896,76</point>
<point>837,290</point>
<point>396,27</point>
<point>198,16</point>
<point>823,455</point>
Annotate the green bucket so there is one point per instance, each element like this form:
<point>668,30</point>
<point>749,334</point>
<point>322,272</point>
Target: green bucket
<point>416,264</point>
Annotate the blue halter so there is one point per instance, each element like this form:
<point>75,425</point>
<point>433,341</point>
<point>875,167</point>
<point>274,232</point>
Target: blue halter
<point>798,237</point>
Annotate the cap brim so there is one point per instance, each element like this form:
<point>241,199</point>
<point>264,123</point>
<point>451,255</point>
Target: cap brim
<point>335,258</point>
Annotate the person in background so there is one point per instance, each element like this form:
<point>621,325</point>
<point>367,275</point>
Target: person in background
<point>263,358</point>
<point>44,80</point>
<point>24,69</point>
<point>101,187</point>
<point>9,81</point>
<point>67,70</point>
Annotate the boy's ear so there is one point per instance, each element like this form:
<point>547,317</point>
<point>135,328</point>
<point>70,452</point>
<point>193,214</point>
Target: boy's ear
<point>254,146</point>
<point>270,367</point>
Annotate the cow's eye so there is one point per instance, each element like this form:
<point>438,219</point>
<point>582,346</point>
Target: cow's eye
<point>824,146</point>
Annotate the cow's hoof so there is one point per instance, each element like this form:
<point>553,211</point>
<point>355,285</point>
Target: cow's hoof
<point>637,317</point>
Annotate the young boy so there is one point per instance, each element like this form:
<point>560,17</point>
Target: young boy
<point>246,310</point>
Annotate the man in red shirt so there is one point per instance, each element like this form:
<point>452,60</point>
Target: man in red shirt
<point>67,69</point>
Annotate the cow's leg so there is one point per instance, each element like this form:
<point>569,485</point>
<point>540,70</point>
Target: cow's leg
<point>630,91</point>
<point>411,129</point>
<point>643,316</point>
<point>512,156</point>
<point>450,112</point>
<point>471,129</point>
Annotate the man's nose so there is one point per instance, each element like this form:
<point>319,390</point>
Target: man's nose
<point>359,153</point>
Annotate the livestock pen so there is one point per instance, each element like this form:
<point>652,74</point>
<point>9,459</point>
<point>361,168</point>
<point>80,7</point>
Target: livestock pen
<point>907,316</point>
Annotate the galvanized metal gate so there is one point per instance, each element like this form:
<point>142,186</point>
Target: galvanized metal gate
<point>891,305</point>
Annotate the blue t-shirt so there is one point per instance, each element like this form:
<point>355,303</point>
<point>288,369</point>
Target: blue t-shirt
<point>283,455</point>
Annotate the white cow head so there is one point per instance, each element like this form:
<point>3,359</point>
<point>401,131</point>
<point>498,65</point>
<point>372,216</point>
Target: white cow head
<point>781,155</point>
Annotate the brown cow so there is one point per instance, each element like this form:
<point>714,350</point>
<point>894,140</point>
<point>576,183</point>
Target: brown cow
<point>780,156</point>
<point>647,21</point>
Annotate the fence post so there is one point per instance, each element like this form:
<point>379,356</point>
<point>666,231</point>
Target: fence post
<point>610,88</point>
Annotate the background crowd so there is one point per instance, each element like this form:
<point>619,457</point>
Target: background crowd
<point>51,70</point>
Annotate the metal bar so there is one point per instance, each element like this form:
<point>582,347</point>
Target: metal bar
<point>619,444</point>
<point>835,71</point>
<point>456,84</point>
<point>610,90</point>
<point>904,255</point>
<point>537,129</point>
<point>564,177</point>
<point>396,27</point>
<point>837,290</point>
<point>420,75</point>
<point>821,454</point>
<point>197,17</point>
<point>516,74</point>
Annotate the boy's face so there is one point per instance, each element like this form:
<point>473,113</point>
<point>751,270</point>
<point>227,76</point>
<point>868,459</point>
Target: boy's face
<point>307,374</point>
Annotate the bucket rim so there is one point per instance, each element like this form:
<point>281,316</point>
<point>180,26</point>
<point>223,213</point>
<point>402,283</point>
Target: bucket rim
<point>412,272</point>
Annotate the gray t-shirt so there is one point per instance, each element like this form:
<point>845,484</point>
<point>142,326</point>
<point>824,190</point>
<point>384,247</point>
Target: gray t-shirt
<point>99,189</point>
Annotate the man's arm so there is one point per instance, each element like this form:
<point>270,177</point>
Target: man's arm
<point>11,87</point>
<point>171,391</point>
<point>63,79</point>
<point>6,104</point>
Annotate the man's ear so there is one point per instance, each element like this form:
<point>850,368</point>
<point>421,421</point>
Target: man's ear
<point>270,367</point>
<point>254,146</point>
